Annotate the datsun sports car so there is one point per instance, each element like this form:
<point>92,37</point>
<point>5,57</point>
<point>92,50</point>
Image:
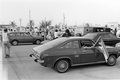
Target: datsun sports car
<point>62,53</point>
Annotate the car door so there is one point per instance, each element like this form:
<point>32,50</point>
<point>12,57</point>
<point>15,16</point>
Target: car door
<point>113,39</point>
<point>71,49</point>
<point>28,38</point>
<point>19,37</point>
<point>105,38</point>
<point>88,52</point>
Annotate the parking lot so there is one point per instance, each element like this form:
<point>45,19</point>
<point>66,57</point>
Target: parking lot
<point>22,67</point>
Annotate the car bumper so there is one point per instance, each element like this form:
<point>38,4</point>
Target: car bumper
<point>36,60</point>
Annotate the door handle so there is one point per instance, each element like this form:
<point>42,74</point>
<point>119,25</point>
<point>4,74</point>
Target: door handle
<point>84,51</point>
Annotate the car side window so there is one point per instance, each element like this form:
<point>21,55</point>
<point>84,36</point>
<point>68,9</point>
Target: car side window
<point>86,43</point>
<point>26,34</point>
<point>12,34</point>
<point>22,34</point>
<point>71,44</point>
<point>18,34</point>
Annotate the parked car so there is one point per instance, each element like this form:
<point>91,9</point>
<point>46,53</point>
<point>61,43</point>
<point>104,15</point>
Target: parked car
<point>63,53</point>
<point>24,37</point>
<point>0,34</point>
<point>108,38</point>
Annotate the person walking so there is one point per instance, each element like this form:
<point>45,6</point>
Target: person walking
<point>6,44</point>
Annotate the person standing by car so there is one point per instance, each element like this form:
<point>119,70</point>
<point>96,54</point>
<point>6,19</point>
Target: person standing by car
<point>6,44</point>
<point>56,34</point>
<point>118,34</point>
<point>67,33</point>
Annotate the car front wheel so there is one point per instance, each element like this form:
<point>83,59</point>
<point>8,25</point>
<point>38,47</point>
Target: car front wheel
<point>111,60</point>
<point>62,66</point>
<point>14,42</point>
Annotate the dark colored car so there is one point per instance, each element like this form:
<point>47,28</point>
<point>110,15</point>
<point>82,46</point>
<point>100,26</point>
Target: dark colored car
<point>62,53</point>
<point>24,37</point>
<point>108,38</point>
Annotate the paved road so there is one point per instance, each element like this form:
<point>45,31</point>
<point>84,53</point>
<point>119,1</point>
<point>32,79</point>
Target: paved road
<point>21,67</point>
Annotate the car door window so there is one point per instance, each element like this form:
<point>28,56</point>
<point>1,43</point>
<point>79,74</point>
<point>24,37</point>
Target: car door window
<point>26,34</point>
<point>86,43</point>
<point>12,34</point>
<point>18,34</point>
<point>21,34</point>
<point>71,44</point>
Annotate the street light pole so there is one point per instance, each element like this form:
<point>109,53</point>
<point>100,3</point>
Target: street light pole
<point>20,22</point>
<point>29,15</point>
<point>64,20</point>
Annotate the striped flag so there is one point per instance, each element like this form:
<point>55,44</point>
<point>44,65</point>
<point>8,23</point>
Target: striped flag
<point>100,44</point>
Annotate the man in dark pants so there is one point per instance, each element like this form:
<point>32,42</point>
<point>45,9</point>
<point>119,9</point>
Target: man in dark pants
<point>6,43</point>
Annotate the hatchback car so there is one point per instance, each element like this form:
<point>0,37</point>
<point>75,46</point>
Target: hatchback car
<point>24,37</point>
<point>108,38</point>
<point>62,53</point>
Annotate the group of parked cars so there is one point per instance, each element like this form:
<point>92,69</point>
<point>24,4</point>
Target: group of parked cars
<point>25,37</point>
<point>63,53</point>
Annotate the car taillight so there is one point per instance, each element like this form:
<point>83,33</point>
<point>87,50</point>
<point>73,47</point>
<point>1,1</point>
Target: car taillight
<point>43,56</point>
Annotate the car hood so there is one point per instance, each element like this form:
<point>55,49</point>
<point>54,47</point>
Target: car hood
<point>41,48</point>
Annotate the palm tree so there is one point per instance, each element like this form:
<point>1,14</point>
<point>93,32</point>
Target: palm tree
<point>13,24</point>
<point>44,24</point>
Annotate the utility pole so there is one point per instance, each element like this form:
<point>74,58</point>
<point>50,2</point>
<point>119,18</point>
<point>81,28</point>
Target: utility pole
<point>20,21</point>
<point>45,22</point>
<point>29,15</point>
<point>63,20</point>
<point>29,20</point>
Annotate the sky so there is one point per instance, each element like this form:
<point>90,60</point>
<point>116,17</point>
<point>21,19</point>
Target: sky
<point>76,12</point>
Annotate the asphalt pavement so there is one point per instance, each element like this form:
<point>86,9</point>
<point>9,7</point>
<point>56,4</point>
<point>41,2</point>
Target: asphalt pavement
<point>8,66</point>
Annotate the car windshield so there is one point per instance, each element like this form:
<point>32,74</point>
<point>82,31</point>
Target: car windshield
<point>55,42</point>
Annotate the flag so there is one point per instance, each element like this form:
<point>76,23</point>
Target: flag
<point>101,46</point>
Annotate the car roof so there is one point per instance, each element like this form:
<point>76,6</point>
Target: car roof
<point>73,38</point>
<point>94,36</point>
<point>18,32</point>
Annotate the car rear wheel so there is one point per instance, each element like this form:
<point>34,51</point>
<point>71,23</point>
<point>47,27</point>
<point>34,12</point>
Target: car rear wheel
<point>62,66</point>
<point>37,41</point>
<point>14,42</point>
<point>111,60</point>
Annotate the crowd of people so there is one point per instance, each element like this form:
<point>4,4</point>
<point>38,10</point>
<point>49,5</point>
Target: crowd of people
<point>47,34</point>
<point>54,33</point>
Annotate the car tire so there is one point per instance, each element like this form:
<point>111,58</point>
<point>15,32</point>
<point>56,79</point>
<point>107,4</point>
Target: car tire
<point>14,42</point>
<point>111,60</point>
<point>62,66</point>
<point>37,41</point>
